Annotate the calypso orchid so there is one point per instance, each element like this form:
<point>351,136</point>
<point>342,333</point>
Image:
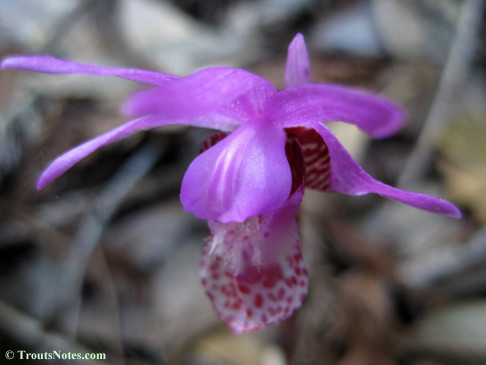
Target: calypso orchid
<point>249,179</point>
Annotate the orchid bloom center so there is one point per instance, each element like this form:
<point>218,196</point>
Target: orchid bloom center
<point>315,154</point>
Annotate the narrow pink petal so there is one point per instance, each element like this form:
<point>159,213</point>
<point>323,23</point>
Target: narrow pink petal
<point>64,162</point>
<point>348,177</point>
<point>246,174</point>
<point>375,115</point>
<point>297,71</point>
<point>253,272</point>
<point>47,64</point>
<point>235,93</point>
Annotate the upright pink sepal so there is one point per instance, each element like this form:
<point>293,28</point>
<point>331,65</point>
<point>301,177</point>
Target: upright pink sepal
<point>297,70</point>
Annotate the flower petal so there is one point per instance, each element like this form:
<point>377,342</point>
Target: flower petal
<point>297,70</point>
<point>244,175</point>
<point>53,65</point>
<point>348,177</point>
<point>253,272</point>
<point>235,93</point>
<point>373,114</point>
<point>315,155</point>
<point>64,162</point>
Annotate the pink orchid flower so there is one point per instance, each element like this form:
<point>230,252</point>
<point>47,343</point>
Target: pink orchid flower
<point>249,180</point>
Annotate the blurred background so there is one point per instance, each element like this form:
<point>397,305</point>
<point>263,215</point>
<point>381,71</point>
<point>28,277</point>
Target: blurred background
<point>105,260</point>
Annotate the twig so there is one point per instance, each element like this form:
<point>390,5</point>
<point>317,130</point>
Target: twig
<point>111,297</point>
<point>105,206</point>
<point>66,23</point>
<point>452,78</point>
<point>34,338</point>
